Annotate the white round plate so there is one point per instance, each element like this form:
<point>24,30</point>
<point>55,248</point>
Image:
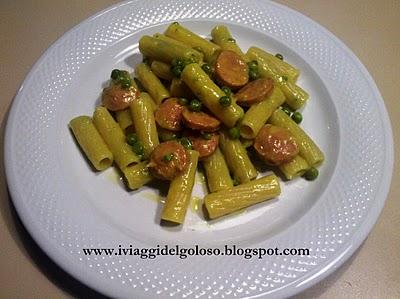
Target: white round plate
<point>67,207</point>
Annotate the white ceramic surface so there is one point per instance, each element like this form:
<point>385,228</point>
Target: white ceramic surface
<point>67,207</point>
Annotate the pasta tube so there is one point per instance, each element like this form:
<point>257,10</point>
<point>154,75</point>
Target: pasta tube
<point>242,196</point>
<point>237,159</point>
<point>124,120</point>
<point>296,167</point>
<point>223,38</point>
<point>114,138</point>
<point>217,172</point>
<point>258,114</point>
<point>166,51</point>
<point>180,33</point>
<point>307,148</point>
<point>91,142</point>
<point>161,70</point>
<point>246,142</point>
<point>178,88</point>
<point>198,55</point>
<point>145,124</point>
<point>151,83</point>
<point>296,97</point>
<point>153,104</point>
<point>180,192</point>
<point>209,93</point>
<point>137,175</point>
<point>282,67</point>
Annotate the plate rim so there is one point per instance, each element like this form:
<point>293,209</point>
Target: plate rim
<point>360,234</point>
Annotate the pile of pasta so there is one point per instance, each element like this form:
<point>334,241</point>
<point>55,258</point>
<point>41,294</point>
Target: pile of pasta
<point>197,101</point>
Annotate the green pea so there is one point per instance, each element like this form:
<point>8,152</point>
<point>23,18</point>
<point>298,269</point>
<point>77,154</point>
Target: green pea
<point>279,56</point>
<point>253,75</point>
<point>206,135</point>
<point>297,117</point>
<point>195,105</point>
<point>131,138</point>
<point>226,90</point>
<point>137,148</point>
<point>207,68</point>
<point>234,133</point>
<point>167,135</point>
<point>183,101</point>
<point>287,111</point>
<point>176,70</point>
<point>115,74</point>
<point>186,143</point>
<point>168,157</point>
<point>253,65</point>
<point>178,62</point>
<point>311,174</point>
<point>225,101</point>
<point>124,74</point>
<point>125,82</point>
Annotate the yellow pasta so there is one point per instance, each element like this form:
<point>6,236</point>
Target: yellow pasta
<point>217,172</point>
<point>242,196</point>
<point>182,34</point>
<point>223,38</point>
<point>237,159</point>
<point>166,51</point>
<point>91,142</point>
<point>137,175</point>
<point>124,120</point>
<point>295,168</point>
<point>145,124</point>
<point>246,142</point>
<point>178,88</point>
<point>161,70</point>
<point>114,138</point>
<point>258,114</point>
<point>180,192</point>
<point>151,83</point>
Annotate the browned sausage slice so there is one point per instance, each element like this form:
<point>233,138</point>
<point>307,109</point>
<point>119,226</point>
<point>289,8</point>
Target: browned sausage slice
<point>254,91</point>
<point>116,98</point>
<point>168,160</point>
<point>204,146</point>
<point>169,115</point>
<point>275,145</point>
<point>231,70</point>
<point>200,121</point>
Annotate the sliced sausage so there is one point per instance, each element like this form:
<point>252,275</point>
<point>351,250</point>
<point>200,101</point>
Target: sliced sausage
<point>200,121</point>
<point>169,115</point>
<point>231,70</point>
<point>275,145</point>
<point>116,98</point>
<point>254,91</point>
<point>168,160</point>
<point>204,146</point>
